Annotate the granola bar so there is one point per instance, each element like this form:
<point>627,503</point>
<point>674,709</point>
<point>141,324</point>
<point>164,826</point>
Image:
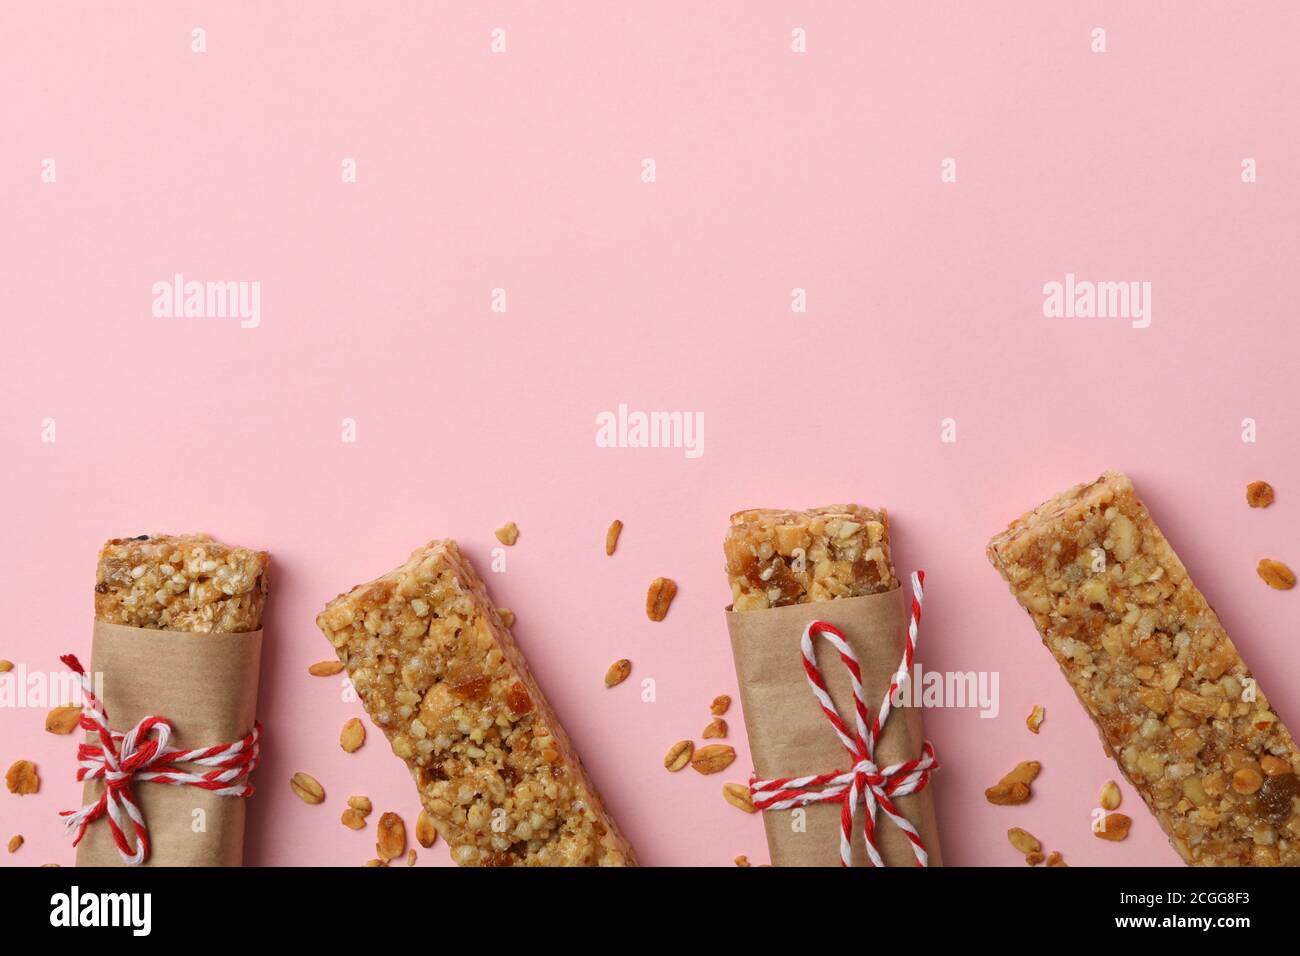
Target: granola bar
<point>1148,658</point>
<point>439,673</point>
<point>775,558</point>
<point>181,583</point>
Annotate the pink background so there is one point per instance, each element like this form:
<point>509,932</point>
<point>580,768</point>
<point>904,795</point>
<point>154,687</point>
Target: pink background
<point>775,170</point>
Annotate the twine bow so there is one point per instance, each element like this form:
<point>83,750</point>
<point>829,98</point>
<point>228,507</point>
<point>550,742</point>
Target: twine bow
<point>142,754</point>
<point>864,782</point>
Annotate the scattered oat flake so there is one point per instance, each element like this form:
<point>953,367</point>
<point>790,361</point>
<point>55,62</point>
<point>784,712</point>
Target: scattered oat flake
<point>611,536</point>
<point>1259,494</point>
<point>717,728</point>
<point>392,837</point>
<point>307,787</point>
<point>659,598</point>
<point>410,857</point>
<point>679,755</point>
<point>713,758</point>
<point>1035,718</point>
<point>1024,841</point>
<point>1276,574</point>
<point>376,863</point>
<point>325,668</point>
<point>15,842</point>
<point>22,778</point>
<point>618,672</point>
<point>1110,796</point>
<point>426,834</point>
<point>361,804</point>
<point>508,534</point>
<point>720,705</point>
<point>737,794</point>
<point>63,720</point>
<point>6,666</point>
<point>352,736</point>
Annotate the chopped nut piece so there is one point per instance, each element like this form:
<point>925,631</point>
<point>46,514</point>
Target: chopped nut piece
<point>1259,494</point>
<point>507,534</point>
<point>307,788</point>
<point>507,616</point>
<point>1035,718</point>
<point>22,778</point>
<point>325,668</point>
<point>720,705</point>
<point>1114,827</point>
<point>1275,574</point>
<point>15,842</point>
<point>1247,780</point>
<point>737,794</point>
<point>618,672</point>
<point>426,834</point>
<point>6,666</point>
<point>392,837</point>
<point>742,860</point>
<point>353,819</point>
<point>410,857</point>
<point>1055,859</point>
<point>63,720</point>
<point>362,805</point>
<point>717,728</point>
<point>1015,787</point>
<point>352,736</point>
<point>679,755</point>
<point>611,536</point>
<point>1023,840</point>
<point>1110,796</point>
<point>713,759</point>
<point>181,583</point>
<point>659,597</point>
<point>776,558</point>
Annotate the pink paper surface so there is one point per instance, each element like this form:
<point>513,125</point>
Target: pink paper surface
<point>522,170</point>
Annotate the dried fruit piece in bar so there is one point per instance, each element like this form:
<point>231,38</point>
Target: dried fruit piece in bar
<point>1153,666</point>
<point>181,583</point>
<point>440,674</point>
<point>775,558</point>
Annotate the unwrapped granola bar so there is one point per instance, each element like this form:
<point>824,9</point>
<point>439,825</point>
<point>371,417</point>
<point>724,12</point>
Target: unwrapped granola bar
<point>776,558</point>
<point>1149,660</point>
<point>181,583</point>
<point>439,673</point>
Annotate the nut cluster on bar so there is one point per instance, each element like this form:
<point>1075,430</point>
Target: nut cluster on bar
<point>776,558</point>
<point>439,673</point>
<point>181,583</point>
<point>1172,698</point>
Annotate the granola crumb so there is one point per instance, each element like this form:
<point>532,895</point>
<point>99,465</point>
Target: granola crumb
<point>720,705</point>
<point>6,666</point>
<point>659,598</point>
<point>717,728</point>
<point>1114,827</point>
<point>679,755</point>
<point>742,860</point>
<point>325,668</point>
<point>1110,796</point>
<point>352,736</point>
<point>22,778</point>
<point>307,788</point>
<point>15,842</point>
<point>508,533</point>
<point>1035,718</point>
<point>1015,787</point>
<point>63,720</point>
<point>507,616</point>
<point>1055,859</point>
<point>1259,494</point>
<point>618,672</point>
<point>611,537</point>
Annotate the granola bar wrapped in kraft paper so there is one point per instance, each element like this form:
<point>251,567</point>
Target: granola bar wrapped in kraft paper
<point>177,635</point>
<point>788,569</point>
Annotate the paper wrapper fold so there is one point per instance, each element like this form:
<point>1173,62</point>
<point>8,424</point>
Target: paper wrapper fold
<point>205,685</point>
<point>790,736</point>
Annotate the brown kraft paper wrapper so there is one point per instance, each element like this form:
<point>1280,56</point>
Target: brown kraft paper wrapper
<point>205,685</point>
<point>790,736</point>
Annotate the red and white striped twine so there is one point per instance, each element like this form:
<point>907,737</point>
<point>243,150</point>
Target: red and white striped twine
<point>120,758</point>
<point>875,786</point>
